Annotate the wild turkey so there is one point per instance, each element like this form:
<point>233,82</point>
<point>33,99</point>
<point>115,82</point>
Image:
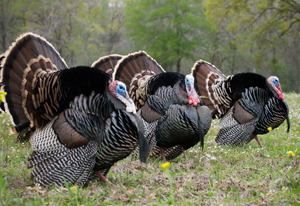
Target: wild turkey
<point>107,63</point>
<point>83,120</point>
<point>248,103</point>
<point>174,118</point>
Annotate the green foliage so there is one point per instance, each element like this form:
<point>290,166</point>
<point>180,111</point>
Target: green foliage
<point>4,195</point>
<point>258,17</point>
<point>81,31</point>
<point>168,30</point>
<point>264,33</point>
<point>235,35</point>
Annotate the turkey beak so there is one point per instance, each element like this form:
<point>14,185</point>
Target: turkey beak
<point>287,116</point>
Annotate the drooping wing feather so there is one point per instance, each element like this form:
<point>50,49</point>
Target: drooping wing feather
<point>239,123</point>
<point>55,163</point>
<point>233,133</point>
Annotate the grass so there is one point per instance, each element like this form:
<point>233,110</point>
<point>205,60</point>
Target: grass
<point>247,175</point>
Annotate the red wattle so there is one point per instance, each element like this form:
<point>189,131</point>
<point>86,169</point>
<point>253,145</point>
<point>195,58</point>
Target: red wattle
<point>194,101</point>
<point>191,100</point>
<point>279,92</point>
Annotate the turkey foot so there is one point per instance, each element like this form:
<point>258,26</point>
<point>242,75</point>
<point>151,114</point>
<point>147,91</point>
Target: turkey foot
<point>162,154</point>
<point>256,138</point>
<point>98,173</point>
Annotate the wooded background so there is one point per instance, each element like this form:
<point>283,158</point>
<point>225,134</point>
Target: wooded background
<point>259,36</point>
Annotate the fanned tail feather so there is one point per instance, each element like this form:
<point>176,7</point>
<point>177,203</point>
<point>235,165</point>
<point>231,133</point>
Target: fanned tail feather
<point>29,58</point>
<point>206,75</point>
<point>135,70</point>
<point>107,63</point>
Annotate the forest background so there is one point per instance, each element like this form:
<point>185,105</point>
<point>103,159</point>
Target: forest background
<point>260,36</point>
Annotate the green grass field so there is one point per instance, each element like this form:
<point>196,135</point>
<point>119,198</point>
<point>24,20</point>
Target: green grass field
<point>247,175</point>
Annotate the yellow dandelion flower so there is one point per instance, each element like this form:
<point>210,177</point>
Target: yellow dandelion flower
<point>165,165</point>
<point>2,96</point>
<point>270,128</point>
<point>74,188</point>
<point>291,153</point>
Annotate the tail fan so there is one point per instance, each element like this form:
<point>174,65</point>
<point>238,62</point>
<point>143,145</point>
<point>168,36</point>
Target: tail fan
<point>29,58</point>
<point>135,70</point>
<point>107,63</point>
<point>206,75</point>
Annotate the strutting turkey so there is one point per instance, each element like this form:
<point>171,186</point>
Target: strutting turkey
<point>174,118</point>
<point>247,103</point>
<point>107,63</point>
<point>82,121</point>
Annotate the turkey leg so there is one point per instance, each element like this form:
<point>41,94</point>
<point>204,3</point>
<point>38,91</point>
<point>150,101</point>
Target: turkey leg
<point>101,176</point>
<point>162,154</point>
<point>256,138</point>
<point>184,153</point>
